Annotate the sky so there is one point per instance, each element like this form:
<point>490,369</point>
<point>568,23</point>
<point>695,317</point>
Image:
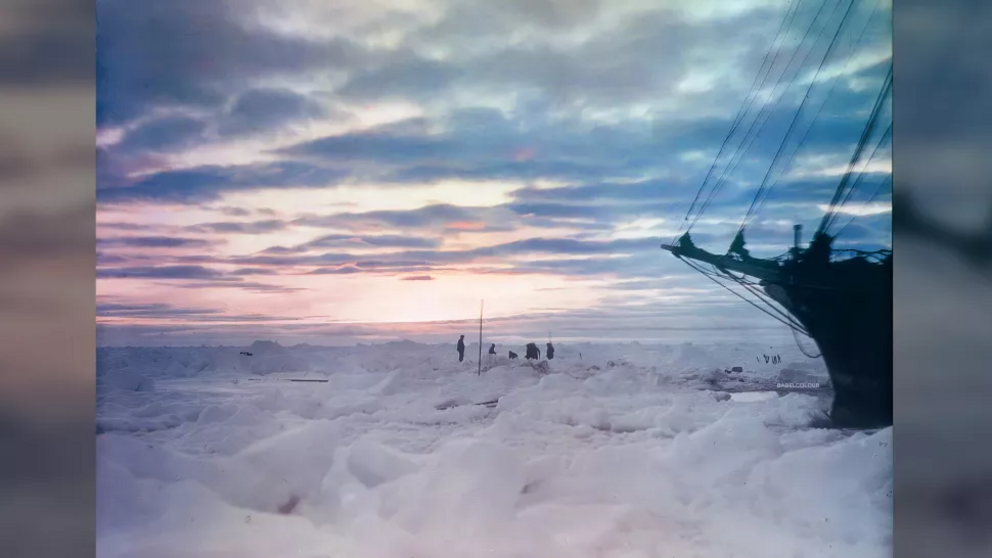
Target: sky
<point>359,171</point>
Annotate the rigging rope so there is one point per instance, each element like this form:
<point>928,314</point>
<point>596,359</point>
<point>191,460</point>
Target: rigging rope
<point>847,65</point>
<point>872,120</point>
<point>803,349</point>
<point>748,135</point>
<point>730,155</point>
<point>790,15</point>
<point>795,118</point>
<point>861,176</point>
<point>764,114</point>
<point>888,180</point>
<point>738,295</point>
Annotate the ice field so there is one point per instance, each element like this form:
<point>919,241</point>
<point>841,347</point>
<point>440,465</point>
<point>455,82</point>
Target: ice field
<point>622,450</point>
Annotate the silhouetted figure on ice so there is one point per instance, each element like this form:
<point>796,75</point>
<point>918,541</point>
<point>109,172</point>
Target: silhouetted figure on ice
<point>513,355</point>
<point>461,348</point>
<point>533,353</point>
<point>492,349</point>
<point>551,351</point>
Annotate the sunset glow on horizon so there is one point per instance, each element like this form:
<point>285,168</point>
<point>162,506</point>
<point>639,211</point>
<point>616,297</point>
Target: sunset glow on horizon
<point>290,171</point>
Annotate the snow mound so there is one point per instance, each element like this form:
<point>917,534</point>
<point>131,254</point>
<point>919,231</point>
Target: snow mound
<point>615,450</point>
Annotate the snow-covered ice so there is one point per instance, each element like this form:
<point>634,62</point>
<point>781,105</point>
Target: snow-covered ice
<point>628,450</point>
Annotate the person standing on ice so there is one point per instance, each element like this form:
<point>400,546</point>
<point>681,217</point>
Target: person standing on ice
<point>461,348</point>
<point>492,349</point>
<point>551,351</point>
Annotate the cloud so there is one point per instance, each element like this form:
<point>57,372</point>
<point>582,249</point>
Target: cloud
<point>159,311</point>
<point>228,227</point>
<point>201,184</point>
<point>104,259</point>
<point>260,110</point>
<point>372,267</point>
<point>156,242</point>
<point>437,217</point>
<point>604,116</point>
<point>161,272</point>
<point>424,260</point>
<point>174,133</point>
<point>345,270</point>
<point>238,283</point>
<point>402,77</point>
<point>487,145</point>
<point>235,211</point>
<point>196,277</point>
<point>623,65</point>
<point>357,242</point>
<point>254,271</point>
<point>141,66</point>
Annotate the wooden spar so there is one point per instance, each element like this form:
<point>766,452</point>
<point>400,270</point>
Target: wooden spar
<point>482,305</point>
<point>768,272</point>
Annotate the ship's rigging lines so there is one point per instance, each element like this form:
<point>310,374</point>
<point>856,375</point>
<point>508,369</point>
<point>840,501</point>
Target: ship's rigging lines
<point>718,175</point>
<point>833,84</point>
<point>836,203</point>
<point>752,93</point>
<point>763,115</point>
<point>758,108</point>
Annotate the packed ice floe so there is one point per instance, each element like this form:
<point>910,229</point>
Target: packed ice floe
<point>400,451</point>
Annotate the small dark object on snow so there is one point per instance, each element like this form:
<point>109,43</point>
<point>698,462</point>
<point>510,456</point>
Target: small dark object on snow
<point>245,353</point>
<point>551,351</point>
<point>766,359</point>
<point>290,505</point>
<point>737,369</point>
<point>461,348</point>
<point>513,355</point>
<point>492,349</point>
<point>533,353</point>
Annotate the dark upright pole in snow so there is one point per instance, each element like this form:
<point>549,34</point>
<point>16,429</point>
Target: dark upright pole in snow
<point>482,304</point>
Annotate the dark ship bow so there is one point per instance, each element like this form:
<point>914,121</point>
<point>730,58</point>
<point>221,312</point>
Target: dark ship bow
<point>845,306</point>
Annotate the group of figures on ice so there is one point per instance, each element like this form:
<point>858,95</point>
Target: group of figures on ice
<point>532,353</point>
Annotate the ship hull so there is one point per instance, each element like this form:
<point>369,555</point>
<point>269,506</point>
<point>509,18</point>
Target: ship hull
<point>846,307</point>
